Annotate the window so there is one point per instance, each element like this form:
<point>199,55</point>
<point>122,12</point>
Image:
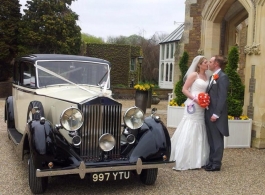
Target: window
<point>167,51</point>
<point>133,64</point>
<point>167,72</point>
<point>171,50</point>
<point>163,52</point>
<point>162,72</point>
<point>171,72</point>
<point>28,74</point>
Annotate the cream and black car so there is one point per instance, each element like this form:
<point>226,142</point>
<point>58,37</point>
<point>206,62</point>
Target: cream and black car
<point>62,114</point>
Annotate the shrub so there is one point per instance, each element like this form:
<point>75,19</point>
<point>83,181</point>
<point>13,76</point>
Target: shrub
<point>235,98</point>
<point>183,66</point>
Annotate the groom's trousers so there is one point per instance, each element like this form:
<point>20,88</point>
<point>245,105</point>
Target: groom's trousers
<point>216,142</point>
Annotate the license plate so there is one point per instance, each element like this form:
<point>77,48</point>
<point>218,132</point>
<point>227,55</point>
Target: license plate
<point>107,176</point>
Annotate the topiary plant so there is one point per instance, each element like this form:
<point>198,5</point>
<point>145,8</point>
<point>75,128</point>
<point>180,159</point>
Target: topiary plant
<point>183,66</point>
<point>235,98</point>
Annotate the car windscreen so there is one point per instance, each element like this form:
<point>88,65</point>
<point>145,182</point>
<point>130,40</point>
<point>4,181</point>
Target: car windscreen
<point>75,71</point>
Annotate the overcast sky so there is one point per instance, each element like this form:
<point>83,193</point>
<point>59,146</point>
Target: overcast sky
<point>103,18</point>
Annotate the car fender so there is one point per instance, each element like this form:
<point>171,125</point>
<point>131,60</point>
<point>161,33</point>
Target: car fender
<point>9,112</point>
<point>45,144</point>
<point>40,137</point>
<point>153,144</point>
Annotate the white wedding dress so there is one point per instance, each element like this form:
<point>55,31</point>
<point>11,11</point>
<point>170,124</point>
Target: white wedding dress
<point>189,143</point>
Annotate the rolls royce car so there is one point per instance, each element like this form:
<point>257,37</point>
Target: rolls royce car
<point>62,118</point>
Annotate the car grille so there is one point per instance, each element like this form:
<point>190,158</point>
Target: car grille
<point>100,116</point>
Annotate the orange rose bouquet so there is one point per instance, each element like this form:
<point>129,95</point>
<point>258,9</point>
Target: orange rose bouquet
<point>204,100</point>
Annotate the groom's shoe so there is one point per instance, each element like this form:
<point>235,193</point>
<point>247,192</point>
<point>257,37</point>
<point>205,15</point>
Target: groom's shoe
<point>213,168</point>
<point>207,166</point>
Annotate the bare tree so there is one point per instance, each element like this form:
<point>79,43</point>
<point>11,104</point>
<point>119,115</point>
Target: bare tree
<point>150,48</point>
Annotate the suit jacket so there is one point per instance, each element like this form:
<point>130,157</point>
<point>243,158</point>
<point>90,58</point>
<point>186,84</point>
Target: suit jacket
<point>218,102</point>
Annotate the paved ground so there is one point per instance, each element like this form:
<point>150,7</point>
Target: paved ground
<point>243,172</point>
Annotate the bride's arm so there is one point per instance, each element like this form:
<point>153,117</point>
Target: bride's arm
<point>186,87</point>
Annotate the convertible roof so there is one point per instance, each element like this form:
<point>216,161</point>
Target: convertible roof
<point>35,57</point>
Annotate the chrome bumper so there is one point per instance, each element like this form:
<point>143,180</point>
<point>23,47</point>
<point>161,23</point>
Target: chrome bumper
<point>82,170</point>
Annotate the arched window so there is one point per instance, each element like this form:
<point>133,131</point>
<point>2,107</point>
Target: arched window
<point>171,72</point>
<point>167,72</point>
<point>162,72</point>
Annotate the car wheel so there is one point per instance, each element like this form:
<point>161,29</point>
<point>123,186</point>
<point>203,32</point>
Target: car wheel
<point>148,176</point>
<point>30,115</point>
<point>37,185</point>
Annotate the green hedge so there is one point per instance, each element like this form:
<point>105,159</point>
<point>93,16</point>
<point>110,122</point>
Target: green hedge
<point>120,58</point>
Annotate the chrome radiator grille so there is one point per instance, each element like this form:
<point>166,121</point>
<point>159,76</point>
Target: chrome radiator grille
<point>100,119</point>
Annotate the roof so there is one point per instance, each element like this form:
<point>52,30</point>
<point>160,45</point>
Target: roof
<point>35,57</point>
<point>175,35</point>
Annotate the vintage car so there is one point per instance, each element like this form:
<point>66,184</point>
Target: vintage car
<point>62,116</point>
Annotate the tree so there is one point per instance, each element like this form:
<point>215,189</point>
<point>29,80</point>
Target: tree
<point>150,64</point>
<point>49,26</point>
<point>9,20</point>
<point>235,98</point>
<point>87,38</point>
<point>183,66</point>
<point>122,40</point>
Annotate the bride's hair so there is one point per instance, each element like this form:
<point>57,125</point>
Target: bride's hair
<point>200,61</point>
<point>194,66</point>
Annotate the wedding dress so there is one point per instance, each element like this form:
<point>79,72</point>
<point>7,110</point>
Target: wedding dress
<point>189,143</point>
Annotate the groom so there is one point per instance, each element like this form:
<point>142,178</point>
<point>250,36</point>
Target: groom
<point>216,118</point>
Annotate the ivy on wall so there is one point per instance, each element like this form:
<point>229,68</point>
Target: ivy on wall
<point>120,58</point>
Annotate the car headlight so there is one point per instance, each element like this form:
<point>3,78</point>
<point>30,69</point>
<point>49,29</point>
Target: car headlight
<point>71,119</point>
<point>134,118</point>
<point>107,142</point>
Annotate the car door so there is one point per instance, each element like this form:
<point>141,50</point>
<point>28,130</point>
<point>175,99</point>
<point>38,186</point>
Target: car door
<point>23,93</point>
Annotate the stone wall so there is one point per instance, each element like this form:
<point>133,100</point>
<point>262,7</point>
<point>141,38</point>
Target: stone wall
<point>193,21</point>
<point>242,56</point>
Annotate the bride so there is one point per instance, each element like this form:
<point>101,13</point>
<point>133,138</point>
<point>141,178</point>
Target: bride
<point>189,145</point>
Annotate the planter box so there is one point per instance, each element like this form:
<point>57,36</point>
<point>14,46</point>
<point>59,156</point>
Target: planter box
<point>240,134</point>
<point>239,130</point>
<point>174,115</point>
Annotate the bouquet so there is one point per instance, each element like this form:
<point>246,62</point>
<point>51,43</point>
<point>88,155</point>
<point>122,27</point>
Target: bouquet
<point>203,100</point>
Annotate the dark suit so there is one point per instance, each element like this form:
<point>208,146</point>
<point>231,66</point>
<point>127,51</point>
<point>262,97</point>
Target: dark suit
<point>218,129</point>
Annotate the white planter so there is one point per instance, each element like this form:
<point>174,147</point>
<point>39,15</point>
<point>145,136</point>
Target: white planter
<point>239,130</point>
<point>174,115</point>
<point>240,134</point>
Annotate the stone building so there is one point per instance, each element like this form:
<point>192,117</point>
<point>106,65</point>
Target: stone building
<point>212,27</point>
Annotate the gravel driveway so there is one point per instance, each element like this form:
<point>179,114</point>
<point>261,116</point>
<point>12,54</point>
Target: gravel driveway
<point>243,172</point>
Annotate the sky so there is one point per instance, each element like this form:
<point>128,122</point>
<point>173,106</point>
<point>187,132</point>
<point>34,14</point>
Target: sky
<point>103,18</point>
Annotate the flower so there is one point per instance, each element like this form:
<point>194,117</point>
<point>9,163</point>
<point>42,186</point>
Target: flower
<point>243,117</point>
<point>215,76</point>
<point>143,87</point>
<point>203,99</point>
<point>174,103</point>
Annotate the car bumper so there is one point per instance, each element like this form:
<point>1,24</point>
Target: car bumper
<point>82,170</point>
